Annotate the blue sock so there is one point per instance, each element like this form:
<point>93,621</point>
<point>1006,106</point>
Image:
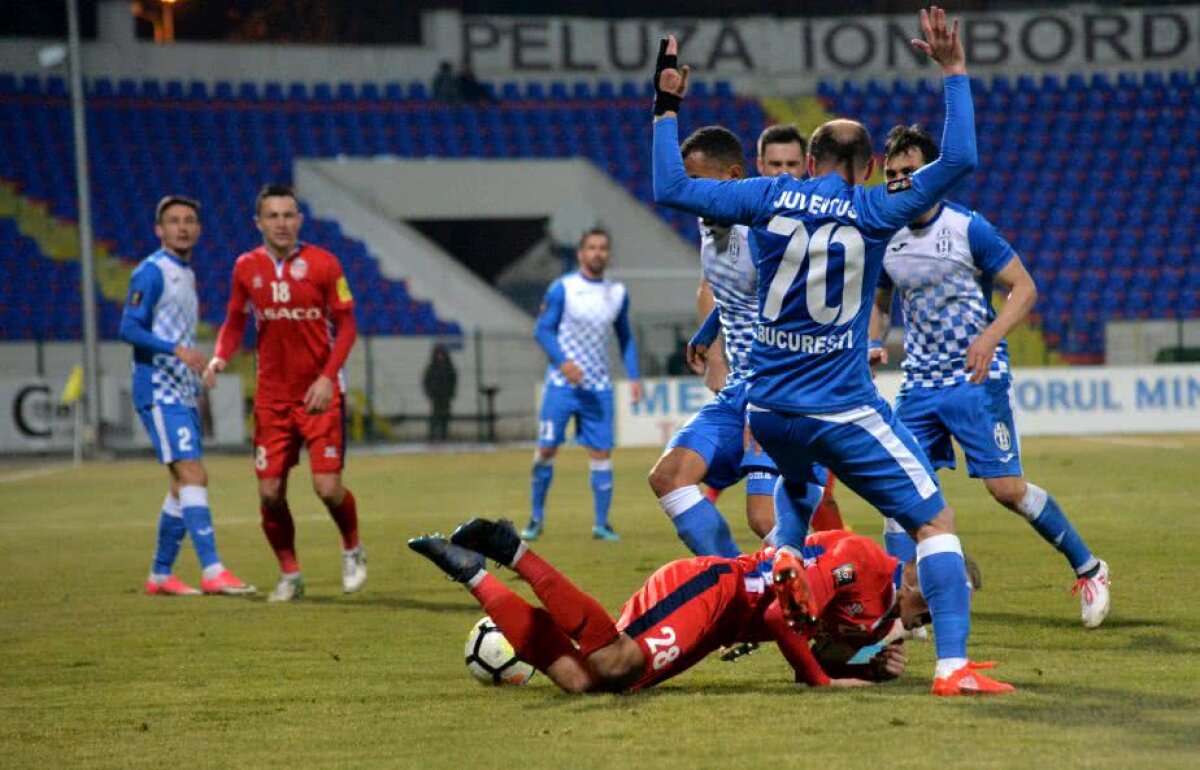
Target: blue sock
<point>943,577</point>
<point>171,530</point>
<point>1044,515</point>
<point>700,525</point>
<point>794,506</point>
<point>197,517</point>
<point>602,488</point>
<point>543,474</point>
<point>898,543</point>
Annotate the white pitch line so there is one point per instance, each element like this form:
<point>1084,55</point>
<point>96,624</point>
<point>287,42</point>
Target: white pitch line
<point>32,473</point>
<point>1145,443</point>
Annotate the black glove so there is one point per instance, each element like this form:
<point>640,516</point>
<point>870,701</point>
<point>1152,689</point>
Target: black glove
<point>664,101</point>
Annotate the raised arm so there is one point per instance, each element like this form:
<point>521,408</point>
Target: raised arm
<point>897,203</point>
<point>737,201</point>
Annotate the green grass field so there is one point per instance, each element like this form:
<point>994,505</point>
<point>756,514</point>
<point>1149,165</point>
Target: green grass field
<point>96,674</point>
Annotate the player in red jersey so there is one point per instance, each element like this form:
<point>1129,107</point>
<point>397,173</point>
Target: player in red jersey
<point>686,610</point>
<point>304,315</point>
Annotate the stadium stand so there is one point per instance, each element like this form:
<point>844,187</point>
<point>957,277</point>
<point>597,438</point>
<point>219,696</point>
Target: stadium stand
<point>1079,214</point>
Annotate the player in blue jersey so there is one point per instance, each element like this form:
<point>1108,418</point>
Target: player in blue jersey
<point>957,383</point>
<point>819,245</point>
<point>580,313</point>
<point>712,447</point>
<point>159,321</point>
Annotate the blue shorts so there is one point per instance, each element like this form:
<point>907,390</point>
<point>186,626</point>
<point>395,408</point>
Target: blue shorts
<point>592,410</point>
<point>174,431</point>
<point>718,434</point>
<point>979,417</point>
<point>866,447</point>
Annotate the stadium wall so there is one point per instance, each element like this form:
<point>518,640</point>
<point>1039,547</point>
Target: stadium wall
<point>756,54</point>
<point>1047,402</point>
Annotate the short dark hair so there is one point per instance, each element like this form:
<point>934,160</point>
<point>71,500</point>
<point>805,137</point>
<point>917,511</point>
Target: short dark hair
<point>717,142</point>
<point>843,143</point>
<point>175,200</point>
<point>782,133</point>
<point>901,139</point>
<point>274,190</point>
<point>597,230</point>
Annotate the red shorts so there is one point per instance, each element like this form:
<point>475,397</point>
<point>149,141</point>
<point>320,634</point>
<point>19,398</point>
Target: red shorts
<point>684,611</point>
<point>280,430</point>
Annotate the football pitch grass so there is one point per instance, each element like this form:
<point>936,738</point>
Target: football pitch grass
<point>96,674</point>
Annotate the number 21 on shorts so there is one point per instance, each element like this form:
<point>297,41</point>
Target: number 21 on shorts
<point>663,649</point>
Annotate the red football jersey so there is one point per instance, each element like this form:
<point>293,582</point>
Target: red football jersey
<point>294,304</point>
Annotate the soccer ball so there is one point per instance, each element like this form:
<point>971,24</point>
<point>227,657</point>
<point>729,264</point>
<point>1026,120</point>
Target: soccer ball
<point>490,657</point>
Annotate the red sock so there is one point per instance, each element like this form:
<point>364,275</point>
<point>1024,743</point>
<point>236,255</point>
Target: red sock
<point>345,516</point>
<point>827,516</point>
<point>580,616</point>
<point>530,630</point>
<point>280,530</point>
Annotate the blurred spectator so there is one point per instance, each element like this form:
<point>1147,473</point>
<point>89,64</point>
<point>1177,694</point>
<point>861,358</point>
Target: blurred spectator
<point>471,90</point>
<point>445,86</point>
<point>440,384</point>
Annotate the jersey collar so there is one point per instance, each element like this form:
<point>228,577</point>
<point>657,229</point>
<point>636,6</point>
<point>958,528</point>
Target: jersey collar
<point>174,258</point>
<point>932,222</point>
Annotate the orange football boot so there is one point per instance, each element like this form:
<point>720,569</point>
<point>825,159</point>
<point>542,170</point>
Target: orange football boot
<point>968,681</point>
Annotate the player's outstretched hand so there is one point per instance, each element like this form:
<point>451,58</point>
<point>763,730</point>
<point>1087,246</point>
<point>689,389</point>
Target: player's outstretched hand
<point>572,371</point>
<point>941,42</point>
<point>215,367</point>
<point>979,357</point>
<point>191,358</point>
<point>319,395</point>
<point>848,682</point>
<point>877,357</point>
<point>670,80</point>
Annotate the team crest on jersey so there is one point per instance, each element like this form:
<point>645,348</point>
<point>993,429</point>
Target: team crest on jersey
<point>843,575</point>
<point>256,282</point>
<point>943,241</point>
<point>855,608</point>
<point>331,453</point>
<point>1002,436</point>
<point>299,268</point>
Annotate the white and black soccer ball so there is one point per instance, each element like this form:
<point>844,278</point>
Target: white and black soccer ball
<point>490,657</point>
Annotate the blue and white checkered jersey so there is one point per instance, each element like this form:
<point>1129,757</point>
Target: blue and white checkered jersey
<point>161,311</point>
<point>944,271</point>
<point>578,318</point>
<point>729,269</point>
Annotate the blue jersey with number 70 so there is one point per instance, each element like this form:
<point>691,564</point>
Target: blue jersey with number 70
<point>818,245</point>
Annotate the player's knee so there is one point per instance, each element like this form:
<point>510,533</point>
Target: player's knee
<point>271,493</point>
<point>329,490</point>
<point>545,453</point>
<point>942,524</point>
<point>1007,491</point>
<point>667,475</point>
<point>191,473</point>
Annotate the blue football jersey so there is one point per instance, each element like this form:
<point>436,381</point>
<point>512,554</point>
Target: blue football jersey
<point>578,320</point>
<point>944,271</point>
<point>161,311</point>
<point>729,269</point>
<point>818,245</point>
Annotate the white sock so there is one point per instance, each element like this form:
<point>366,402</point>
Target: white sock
<point>293,576</point>
<point>212,570</point>
<point>682,499</point>
<point>157,579</point>
<point>947,666</point>
<point>521,549</point>
<point>479,576</point>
